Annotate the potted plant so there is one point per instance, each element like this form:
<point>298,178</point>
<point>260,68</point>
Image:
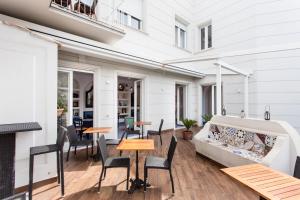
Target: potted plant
<point>61,106</point>
<point>188,123</point>
<point>206,118</point>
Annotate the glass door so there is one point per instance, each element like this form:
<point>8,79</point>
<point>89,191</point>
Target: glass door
<point>138,111</point>
<point>64,97</point>
<point>180,104</point>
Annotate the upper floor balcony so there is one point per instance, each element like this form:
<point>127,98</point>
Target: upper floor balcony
<point>79,17</point>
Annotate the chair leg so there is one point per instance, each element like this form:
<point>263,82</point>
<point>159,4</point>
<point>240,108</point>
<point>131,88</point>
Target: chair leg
<point>57,167</point>
<point>62,176</point>
<point>31,176</point>
<point>120,153</point>
<point>87,152</point>
<point>171,177</point>
<point>128,171</point>
<point>145,178</point>
<point>160,139</point>
<point>68,153</point>
<point>92,148</point>
<point>104,173</point>
<point>100,179</point>
<point>75,152</point>
<point>126,135</point>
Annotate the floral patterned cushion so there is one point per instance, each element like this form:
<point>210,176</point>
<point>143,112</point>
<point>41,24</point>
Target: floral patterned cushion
<point>257,143</point>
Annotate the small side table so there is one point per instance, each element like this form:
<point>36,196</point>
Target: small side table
<point>7,152</point>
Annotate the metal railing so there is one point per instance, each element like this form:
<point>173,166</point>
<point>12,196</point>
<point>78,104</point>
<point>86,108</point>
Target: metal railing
<point>88,9</point>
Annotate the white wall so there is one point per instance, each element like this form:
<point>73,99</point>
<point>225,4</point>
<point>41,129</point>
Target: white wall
<point>28,75</point>
<point>251,27</point>
<point>159,87</point>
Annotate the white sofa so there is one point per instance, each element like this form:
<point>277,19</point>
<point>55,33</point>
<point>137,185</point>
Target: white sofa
<point>233,141</point>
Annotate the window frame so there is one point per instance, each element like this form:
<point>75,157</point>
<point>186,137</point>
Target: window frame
<point>128,22</point>
<point>180,28</point>
<point>207,43</point>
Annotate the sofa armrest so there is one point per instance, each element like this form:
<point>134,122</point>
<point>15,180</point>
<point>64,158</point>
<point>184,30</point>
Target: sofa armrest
<point>203,133</point>
<point>277,157</point>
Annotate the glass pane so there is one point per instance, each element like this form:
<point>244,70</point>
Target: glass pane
<point>182,38</point>
<point>63,97</point>
<point>135,23</point>
<point>63,79</point>
<point>209,44</point>
<point>202,38</point>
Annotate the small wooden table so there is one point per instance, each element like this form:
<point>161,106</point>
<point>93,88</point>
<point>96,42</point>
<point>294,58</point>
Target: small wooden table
<point>268,183</point>
<point>97,130</point>
<point>136,145</point>
<point>142,124</point>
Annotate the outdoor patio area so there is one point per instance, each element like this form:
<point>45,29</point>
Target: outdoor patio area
<point>195,177</point>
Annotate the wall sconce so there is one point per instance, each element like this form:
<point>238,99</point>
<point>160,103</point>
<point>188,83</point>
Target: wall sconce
<point>242,114</point>
<point>223,110</point>
<point>267,114</point>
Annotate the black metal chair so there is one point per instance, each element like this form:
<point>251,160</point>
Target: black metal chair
<point>151,132</point>
<point>297,168</point>
<point>115,142</point>
<point>78,124</point>
<point>111,162</point>
<point>58,148</point>
<point>129,127</point>
<point>153,162</point>
<point>74,142</point>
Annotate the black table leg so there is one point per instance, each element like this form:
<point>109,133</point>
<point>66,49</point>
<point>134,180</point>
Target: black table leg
<point>136,183</point>
<point>142,131</point>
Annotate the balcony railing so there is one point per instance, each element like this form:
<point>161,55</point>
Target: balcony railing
<point>87,9</point>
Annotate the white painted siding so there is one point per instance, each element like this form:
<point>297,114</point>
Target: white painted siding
<point>28,75</point>
<point>159,91</point>
<point>250,26</point>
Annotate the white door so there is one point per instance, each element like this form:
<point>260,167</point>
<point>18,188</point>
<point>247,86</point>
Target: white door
<point>138,100</point>
<point>64,95</point>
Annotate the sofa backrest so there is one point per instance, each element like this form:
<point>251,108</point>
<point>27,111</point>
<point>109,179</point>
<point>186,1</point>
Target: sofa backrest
<point>258,143</point>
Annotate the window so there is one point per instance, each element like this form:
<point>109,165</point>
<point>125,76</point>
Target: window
<point>128,20</point>
<point>180,35</point>
<point>205,35</point>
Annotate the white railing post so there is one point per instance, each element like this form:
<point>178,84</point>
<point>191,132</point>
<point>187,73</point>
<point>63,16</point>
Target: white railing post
<point>246,96</point>
<point>219,89</point>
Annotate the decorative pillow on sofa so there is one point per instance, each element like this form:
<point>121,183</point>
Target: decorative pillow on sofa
<point>259,149</point>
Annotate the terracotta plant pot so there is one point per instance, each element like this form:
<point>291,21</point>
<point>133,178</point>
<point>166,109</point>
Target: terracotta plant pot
<point>59,111</point>
<point>187,135</point>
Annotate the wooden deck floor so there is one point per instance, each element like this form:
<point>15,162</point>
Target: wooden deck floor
<point>195,177</point>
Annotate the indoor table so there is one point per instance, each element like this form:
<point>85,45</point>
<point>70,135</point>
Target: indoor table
<point>136,145</point>
<point>142,124</point>
<point>266,182</point>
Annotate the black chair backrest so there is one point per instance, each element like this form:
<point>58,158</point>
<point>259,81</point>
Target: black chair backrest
<point>297,168</point>
<point>122,137</point>
<point>72,135</point>
<point>103,148</point>
<point>161,124</point>
<point>61,136</point>
<point>172,148</point>
<point>77,122</point>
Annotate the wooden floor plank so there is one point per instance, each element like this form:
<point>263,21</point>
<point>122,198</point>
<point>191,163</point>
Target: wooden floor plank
<point>195,177</point>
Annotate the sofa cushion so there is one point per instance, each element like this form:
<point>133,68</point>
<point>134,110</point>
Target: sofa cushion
<point>260,144</point>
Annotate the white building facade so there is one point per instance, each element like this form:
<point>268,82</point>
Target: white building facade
<point>164,44</point>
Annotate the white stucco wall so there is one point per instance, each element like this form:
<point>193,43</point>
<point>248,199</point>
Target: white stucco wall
<point>159,95</point>
<point>28,75</point>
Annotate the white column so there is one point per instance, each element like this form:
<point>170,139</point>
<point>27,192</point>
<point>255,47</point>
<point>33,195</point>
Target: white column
<point>199,105</point>
<point>219,89</point>
<point>212,99</point>
<point>246,100</point>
